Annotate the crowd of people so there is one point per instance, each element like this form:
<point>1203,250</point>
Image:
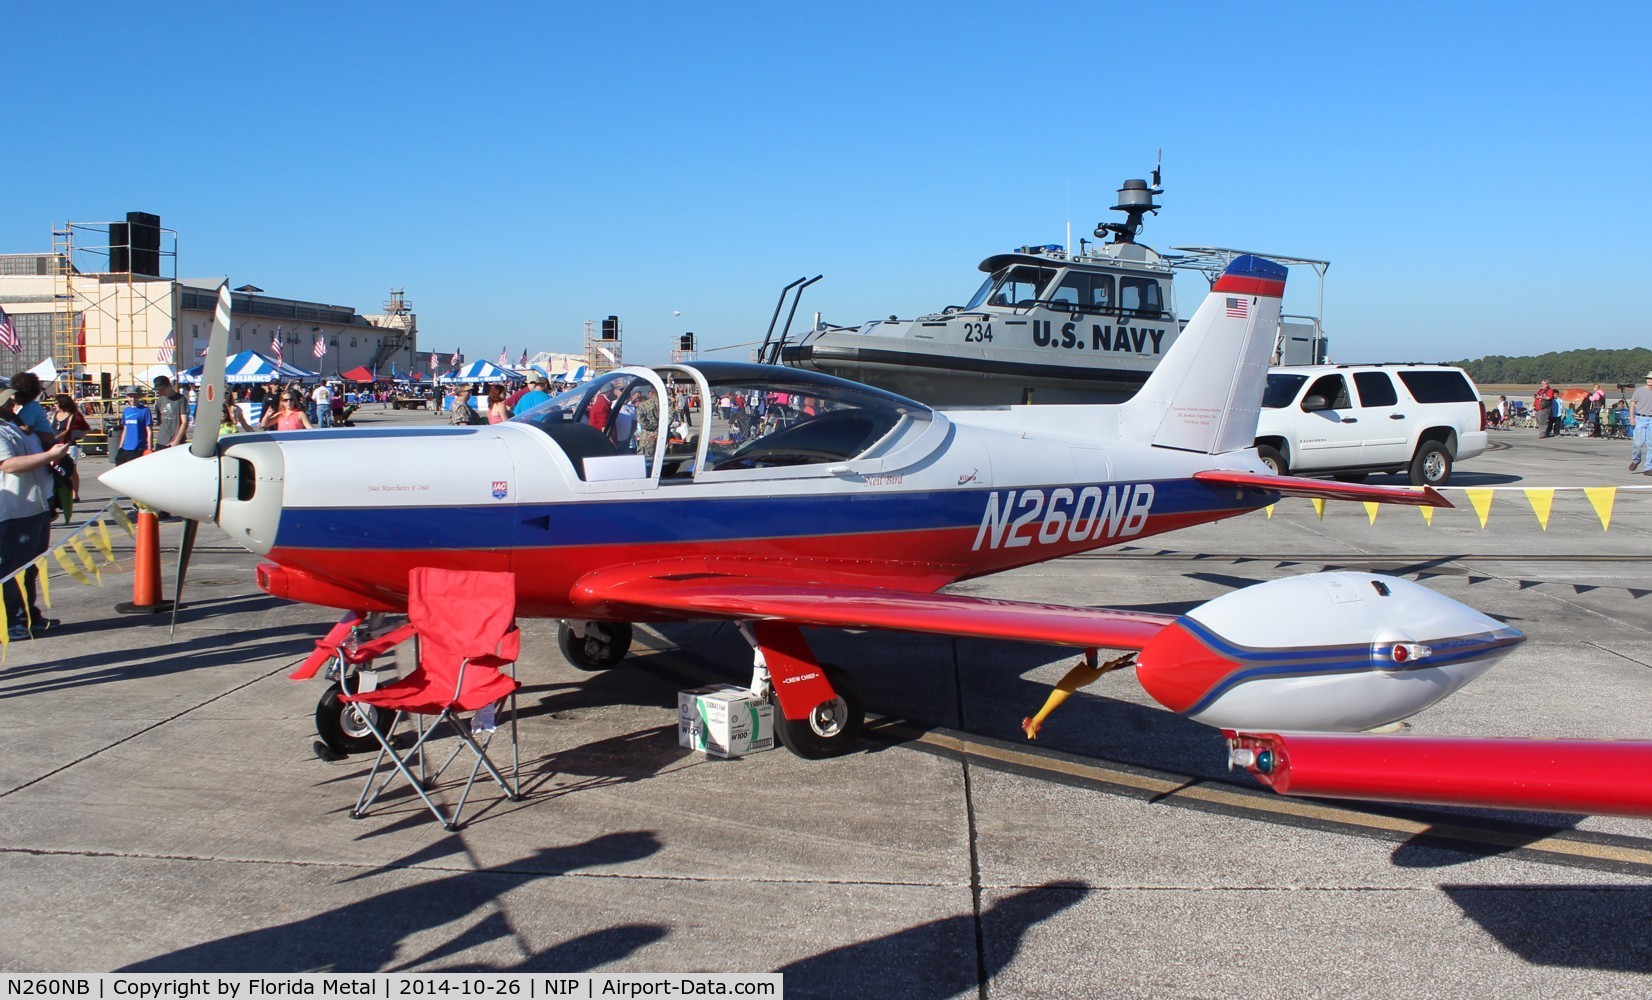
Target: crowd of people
<point>1555,412</point>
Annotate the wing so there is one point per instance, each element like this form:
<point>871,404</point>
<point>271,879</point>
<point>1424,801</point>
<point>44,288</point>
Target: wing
<point>641,597</point>
<point>1292,486</point>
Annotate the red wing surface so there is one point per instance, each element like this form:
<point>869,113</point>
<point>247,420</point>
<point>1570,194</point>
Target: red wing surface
<point>1292,486</point>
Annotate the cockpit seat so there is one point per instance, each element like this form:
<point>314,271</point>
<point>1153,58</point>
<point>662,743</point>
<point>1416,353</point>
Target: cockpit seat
<point>580,441</point>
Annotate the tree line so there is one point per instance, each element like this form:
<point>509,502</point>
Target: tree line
<point>1627,366</point>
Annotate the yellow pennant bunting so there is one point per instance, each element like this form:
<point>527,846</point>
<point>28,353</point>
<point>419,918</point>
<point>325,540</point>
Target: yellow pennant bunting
<point>45,582</point>
<point>86,559</point>
<point>1269,510</point>
<point>23,599</point>
<point>1600,498</point>
<point>5,626</point>
<point>1542,502</point>
<point>1481,499</point>
<point>1371,510</point>
<point>1319,507</point>
<point>123,520</point>
<point>102,540</point>
<point>69,567</point>
<point>1428,515</point>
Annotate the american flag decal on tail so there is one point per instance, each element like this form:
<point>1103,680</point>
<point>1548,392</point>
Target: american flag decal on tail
<point>1238,308</point>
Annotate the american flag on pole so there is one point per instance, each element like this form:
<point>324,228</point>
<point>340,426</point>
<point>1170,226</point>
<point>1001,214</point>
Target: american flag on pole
<point>504,357</point>
<point>275,345</point>
<point>169,350</point>
<point>320,348</point>
<point>523,363</point>
<point>1238,308</point>
<point>8,334</point>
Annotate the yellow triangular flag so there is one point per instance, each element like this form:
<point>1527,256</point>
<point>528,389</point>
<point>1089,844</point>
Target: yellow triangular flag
<point>68,567</point>
<point>1371,510</point>
<point>1428,515</point>
<point>1600,498</point>
<point>86,559</point>
<point>45,582</point>
<point>102,539</point>
<point>1319,507</point>
<point>125,522</point>
<point>1269,510</point>
<point>1542,502</point>
<point>23,598</point>
<point>5,626</point>
<point>1481,499</point>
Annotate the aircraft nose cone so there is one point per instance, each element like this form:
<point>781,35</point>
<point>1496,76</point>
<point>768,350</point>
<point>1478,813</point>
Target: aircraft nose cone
<point>172,479</point>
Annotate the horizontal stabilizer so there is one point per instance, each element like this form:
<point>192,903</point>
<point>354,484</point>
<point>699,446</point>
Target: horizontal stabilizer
<point>1293,486</point>
<point>848,607</point>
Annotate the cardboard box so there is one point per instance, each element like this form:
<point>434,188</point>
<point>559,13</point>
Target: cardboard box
<point>724,721</point>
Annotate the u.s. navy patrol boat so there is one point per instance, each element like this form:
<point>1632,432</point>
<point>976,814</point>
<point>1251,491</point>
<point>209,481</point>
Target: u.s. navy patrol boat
<point>1048,325</point>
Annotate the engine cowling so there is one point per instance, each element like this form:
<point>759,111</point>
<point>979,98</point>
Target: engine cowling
<point>1324,652</point>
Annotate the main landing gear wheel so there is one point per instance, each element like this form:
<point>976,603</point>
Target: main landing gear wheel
<point>603,645</point>
<point>831,728</point>
<point>340,725</point>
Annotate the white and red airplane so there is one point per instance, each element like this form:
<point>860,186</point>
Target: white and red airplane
<point>814,501</point>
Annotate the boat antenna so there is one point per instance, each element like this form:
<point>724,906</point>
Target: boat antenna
<point>1135,201</point>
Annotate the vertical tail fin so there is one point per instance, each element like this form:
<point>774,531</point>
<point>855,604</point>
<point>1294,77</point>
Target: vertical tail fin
<point>1206,394</point>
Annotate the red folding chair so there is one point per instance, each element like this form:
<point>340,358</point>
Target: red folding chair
<point>463,625</point>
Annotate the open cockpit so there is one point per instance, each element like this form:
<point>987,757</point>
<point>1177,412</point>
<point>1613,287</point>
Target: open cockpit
<point>722,420</point>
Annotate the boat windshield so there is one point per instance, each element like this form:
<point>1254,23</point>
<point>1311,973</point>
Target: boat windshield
<point>1281,390</point>
<point>1018,285</point>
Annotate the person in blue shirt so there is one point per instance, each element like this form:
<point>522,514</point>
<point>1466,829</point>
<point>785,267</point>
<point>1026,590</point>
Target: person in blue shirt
<point>136,425</point>
<point>537,393</point>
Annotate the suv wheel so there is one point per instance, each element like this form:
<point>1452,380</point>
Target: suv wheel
<point>1273,460</point>
<point>1431,466</point>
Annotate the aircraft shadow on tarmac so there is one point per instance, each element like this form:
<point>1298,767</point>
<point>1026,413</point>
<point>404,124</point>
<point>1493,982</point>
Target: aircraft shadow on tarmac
<point>1581,927</point>
<point>937,959</point>
<point>371,934</point>
<point>275,642</point>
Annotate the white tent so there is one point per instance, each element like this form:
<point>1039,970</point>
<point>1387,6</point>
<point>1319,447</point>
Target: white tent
<point>250,367</point>
<point>479,371</point>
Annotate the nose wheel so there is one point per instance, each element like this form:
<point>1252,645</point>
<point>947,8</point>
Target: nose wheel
<point>831,727</point>
<point>594,645</point>
<point>340,724</point>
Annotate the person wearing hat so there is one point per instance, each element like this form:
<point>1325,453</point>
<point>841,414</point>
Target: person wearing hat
<point>25,516</point>
<point>136,426</point>
<point>171,414</point>
<point>539,390</point>
<point>1640,423</point>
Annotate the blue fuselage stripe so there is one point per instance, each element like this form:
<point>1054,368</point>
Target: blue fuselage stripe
<point>656,520</point>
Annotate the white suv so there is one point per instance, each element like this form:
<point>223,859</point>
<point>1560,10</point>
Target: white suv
<point>1351,420</point>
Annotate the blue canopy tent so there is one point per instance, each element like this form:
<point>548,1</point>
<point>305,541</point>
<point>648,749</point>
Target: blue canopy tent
<point>251,368</point>
<point>479,371</point>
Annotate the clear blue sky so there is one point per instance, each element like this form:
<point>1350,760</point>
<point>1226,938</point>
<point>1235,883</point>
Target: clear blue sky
<point>1476,174</point>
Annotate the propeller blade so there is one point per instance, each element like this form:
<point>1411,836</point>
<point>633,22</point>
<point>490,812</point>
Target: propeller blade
<point>186,546</point>
<point>209,400</point>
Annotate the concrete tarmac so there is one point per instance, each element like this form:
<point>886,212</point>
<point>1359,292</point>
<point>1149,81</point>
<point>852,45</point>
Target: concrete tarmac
<point>161,808</point>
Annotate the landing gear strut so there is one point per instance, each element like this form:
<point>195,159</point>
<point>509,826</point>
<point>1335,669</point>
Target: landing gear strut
<point>594,645</point>
<point>817,711</point>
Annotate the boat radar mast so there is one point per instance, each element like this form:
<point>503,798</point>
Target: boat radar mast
<point>1135,201</point>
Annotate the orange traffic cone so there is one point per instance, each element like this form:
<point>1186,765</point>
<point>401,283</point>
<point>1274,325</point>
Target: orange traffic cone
<point>146,570</point>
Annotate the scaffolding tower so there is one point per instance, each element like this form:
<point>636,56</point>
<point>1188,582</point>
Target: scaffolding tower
<point>132,313</point>
<point>605,351</point>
